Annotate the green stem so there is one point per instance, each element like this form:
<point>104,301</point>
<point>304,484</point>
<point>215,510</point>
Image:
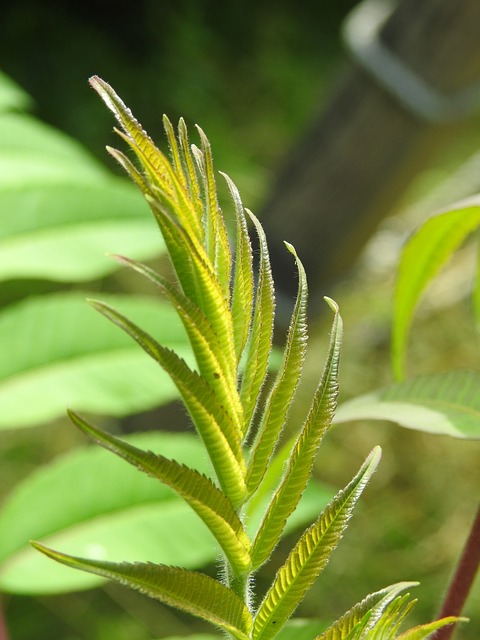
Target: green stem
<point>462,580</point>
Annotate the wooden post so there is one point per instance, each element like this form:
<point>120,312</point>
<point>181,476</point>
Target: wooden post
<point>364,149</point>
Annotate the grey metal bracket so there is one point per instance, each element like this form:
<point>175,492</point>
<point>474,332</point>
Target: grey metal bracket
<point>361,35</point>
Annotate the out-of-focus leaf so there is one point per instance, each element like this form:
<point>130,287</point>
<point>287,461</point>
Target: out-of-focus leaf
<point>425,252</point>
<point>131,518</point>
<point>197,636</point>
<point>62,229</point>
<point>57,352</point>
<point>213,423</point>
<point>444,403</point>
<point>22,136</point>
<point>199,491</point>
<point>92,503</point>
<point>301,629</point>
<point>12,96</point>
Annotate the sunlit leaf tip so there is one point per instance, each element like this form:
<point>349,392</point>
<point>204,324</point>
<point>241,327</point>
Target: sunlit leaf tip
<point>332,304</point>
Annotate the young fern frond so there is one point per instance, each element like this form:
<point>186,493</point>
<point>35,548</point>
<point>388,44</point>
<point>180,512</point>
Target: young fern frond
<point>228,316</point>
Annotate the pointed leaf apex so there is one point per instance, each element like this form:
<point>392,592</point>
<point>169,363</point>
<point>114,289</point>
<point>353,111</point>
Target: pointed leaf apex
<point>374,457</point>
<point>290,247</point>
<point>331,303</point>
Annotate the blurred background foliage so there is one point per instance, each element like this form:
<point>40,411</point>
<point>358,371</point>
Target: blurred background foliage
<point>253,74</point>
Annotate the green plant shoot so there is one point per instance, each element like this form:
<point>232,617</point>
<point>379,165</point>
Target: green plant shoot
<point>228,315</point>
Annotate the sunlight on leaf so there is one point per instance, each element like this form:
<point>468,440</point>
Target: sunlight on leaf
<point>133,524</point>
<point>57,352</point>
<point>423,255</point>
<point>444,403</point>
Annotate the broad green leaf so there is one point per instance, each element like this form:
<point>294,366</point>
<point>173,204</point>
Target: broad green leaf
<point>214,425</point>
<point>61,230</point>
<point>364,614</point>
<point>443,403</point>
<point>423,255</point>
<point>22,136</point>
<point>12,96</point>
<point>303,454</point>
<point>242,292</point>
<point>310,555</point>
<point>261,332</point>
<point>62,210</point>
<point>196,489</point>
<point>189,591</point>
<point>427,630</point>
<point>19,168</point>
<point>281,395</point>
<point>56,352</point>
<point>75,503</point>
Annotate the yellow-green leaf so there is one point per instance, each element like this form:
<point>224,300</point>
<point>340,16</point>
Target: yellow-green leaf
<point>302,457</point>
<point>423,255</point>
<point>426,630</point>
<point>189,591</point>
<point>242,292</point>
<point>212,422</point>
<point>261,332</point>
<point>364,614</point>
<point>202,495</point>
<point>281,395</point>
<point>310,555</point>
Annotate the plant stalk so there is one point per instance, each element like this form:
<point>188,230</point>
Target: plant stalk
<point>462,580</point>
